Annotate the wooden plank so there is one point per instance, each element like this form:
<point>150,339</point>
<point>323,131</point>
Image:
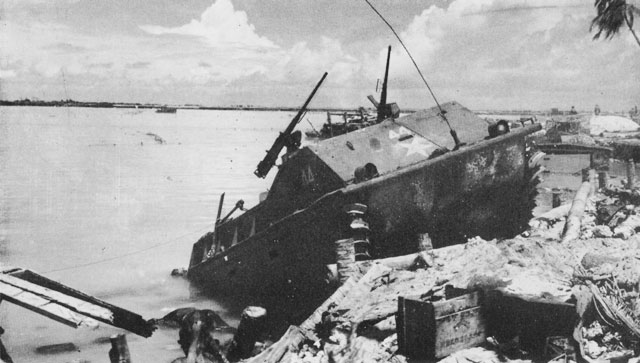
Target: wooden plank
<point>122,318</point>
<point>43,306</point>
<point>415,335</point>
<point>460,330</point>
<point>80,306</point>
<point>452,306</point>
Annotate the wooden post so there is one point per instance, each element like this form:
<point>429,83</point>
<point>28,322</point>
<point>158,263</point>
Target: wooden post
<point>603,179</point>
<point>119,352</point>
<point>631,173</point>
<point>585,175</point>
<point>555,197</point>
<point>424,242</point>
<point>251,327</point>
<point>345,258</point>
<point>592,181</point>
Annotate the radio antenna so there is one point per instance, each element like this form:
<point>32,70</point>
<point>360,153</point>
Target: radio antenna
<point>442,112</point>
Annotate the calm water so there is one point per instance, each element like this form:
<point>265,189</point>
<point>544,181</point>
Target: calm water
<point>90,198</point>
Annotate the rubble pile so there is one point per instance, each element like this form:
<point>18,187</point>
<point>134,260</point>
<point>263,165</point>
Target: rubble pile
<point>573,299</point>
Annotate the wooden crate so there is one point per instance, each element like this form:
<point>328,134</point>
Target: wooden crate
<point>436,329</point>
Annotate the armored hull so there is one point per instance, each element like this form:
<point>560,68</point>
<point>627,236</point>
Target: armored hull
<point>408,173</point>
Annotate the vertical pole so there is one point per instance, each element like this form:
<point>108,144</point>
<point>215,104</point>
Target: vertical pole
<point>424,242</point>
<point>119,352</point>
<point>603,179</point>
<point>631,173</point>
<point>252,325</point>
<point>585,175</point>
<point>555,197</point>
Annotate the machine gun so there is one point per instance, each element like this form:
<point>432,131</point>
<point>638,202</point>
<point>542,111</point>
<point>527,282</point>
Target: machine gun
<point>384,109</point>
<point>286,138</point>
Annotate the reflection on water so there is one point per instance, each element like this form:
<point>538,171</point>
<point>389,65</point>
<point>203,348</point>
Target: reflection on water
<point>92,198</point>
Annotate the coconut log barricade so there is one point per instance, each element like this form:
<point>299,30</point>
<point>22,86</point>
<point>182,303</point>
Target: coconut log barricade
<point>565,290</point>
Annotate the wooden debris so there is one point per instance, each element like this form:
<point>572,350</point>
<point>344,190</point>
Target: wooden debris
<point>288,343</point>
<point>64,304</point>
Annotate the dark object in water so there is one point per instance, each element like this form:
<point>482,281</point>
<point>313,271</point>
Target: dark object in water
<point>196,333</point>
<point>4,355</point>
<point>177,316</point>
<point>157,138</point>
<point>420,179</point>
<point>166,109</point>
<point>56,348</point>
<point>179,272</point>
<point>119,352</point>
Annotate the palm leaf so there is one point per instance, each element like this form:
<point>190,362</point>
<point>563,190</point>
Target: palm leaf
<point>610,17</point>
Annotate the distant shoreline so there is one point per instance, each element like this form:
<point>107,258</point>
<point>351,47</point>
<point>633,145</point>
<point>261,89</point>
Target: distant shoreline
<point>72,103</point>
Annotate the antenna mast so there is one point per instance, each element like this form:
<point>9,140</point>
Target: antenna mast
<point>442,112</point>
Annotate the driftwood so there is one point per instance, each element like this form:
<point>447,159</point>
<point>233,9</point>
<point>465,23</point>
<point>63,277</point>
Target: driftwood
<point>572,227</point>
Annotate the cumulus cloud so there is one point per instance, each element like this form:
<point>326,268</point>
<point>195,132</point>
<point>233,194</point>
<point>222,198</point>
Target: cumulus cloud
<point>511,53</point>
<point>219,25</point>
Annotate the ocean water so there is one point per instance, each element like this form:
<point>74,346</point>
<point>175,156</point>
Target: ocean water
<point>109,201</point>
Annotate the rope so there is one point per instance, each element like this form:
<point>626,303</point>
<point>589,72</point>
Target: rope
<point>414,63</point>
<point>114,258</point>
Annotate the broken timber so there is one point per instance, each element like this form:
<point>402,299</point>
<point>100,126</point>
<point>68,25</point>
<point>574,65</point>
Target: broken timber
<point>63,304</point>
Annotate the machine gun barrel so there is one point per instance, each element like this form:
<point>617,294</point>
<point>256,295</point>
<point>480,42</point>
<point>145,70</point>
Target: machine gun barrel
<point>383,96</point>
<point>382,106</point>
<point>272,154</point>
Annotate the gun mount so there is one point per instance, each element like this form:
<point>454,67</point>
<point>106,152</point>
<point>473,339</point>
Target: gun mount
<point>385,110</point>
<point>287,138</point>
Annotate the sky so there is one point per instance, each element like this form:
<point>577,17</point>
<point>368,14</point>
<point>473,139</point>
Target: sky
<point>485,54</point>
